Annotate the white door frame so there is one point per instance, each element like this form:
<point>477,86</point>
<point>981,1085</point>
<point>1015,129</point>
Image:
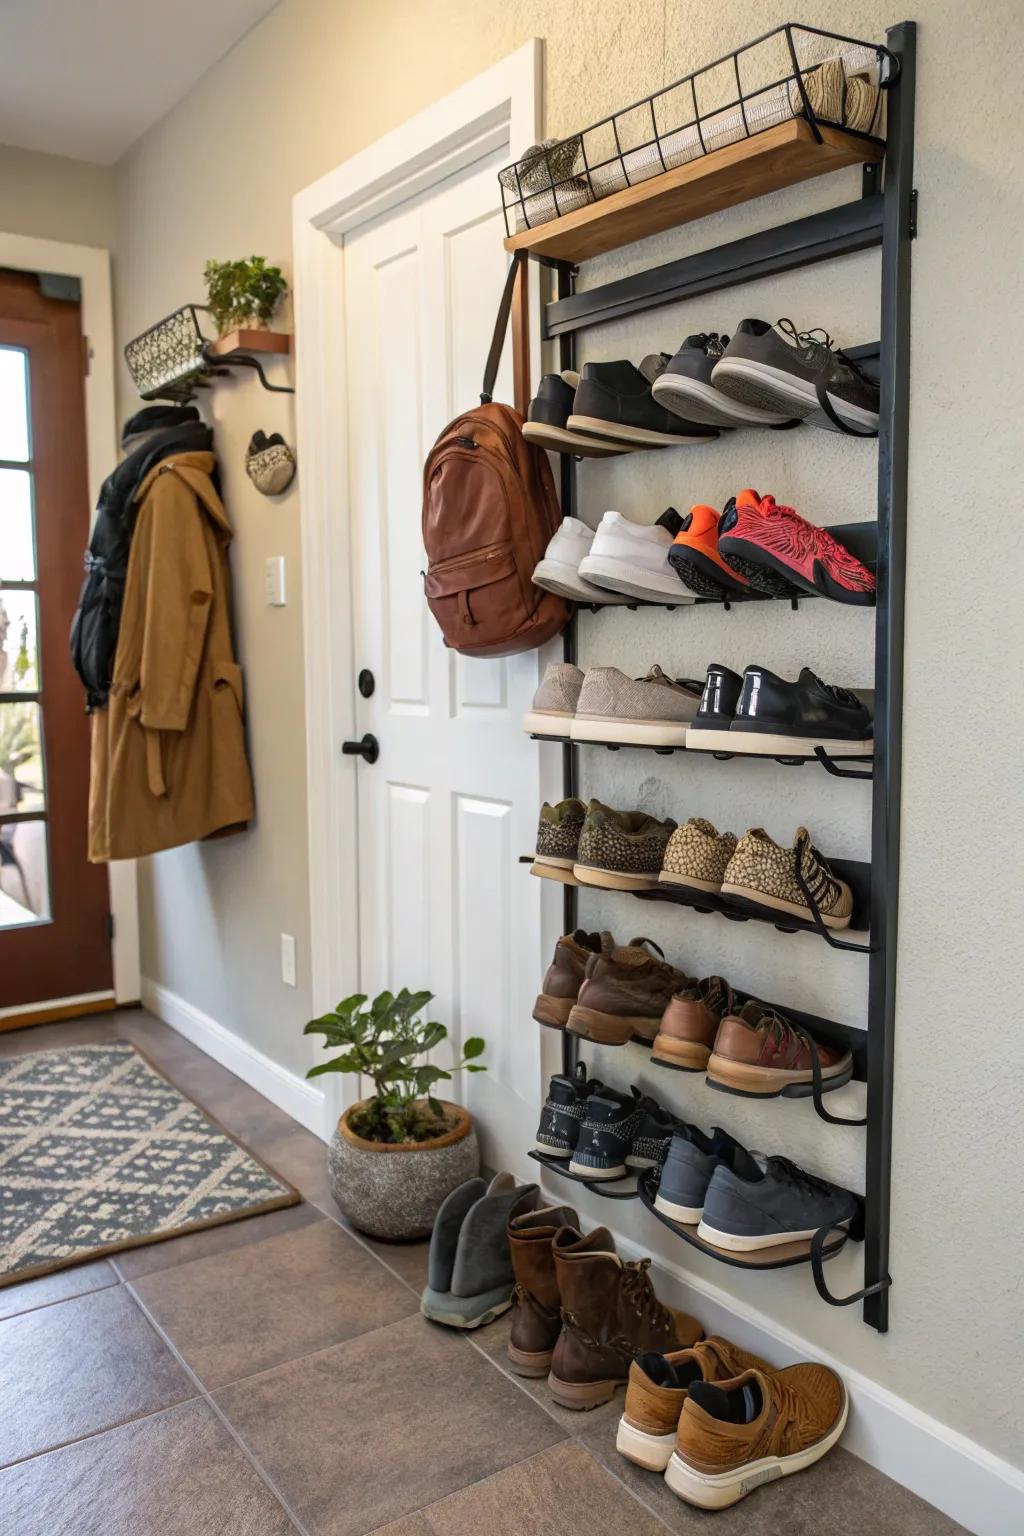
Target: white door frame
<point>91,265</point>
<point>500,107</point>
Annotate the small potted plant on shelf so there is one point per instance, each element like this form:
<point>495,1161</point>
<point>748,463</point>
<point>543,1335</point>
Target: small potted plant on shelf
<point>243,293</point>
<point>397,1154</point>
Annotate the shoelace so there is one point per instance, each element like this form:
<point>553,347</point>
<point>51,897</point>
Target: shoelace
<point>638,1289</point>
<point>714,344</point>
<point>783,1035</point>
<point>821,882</point>
<point>801,1178</point>
<point>841,695</point>
<point>818,340</point>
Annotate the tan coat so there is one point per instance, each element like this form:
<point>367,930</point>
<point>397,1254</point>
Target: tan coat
<point>168,751</point>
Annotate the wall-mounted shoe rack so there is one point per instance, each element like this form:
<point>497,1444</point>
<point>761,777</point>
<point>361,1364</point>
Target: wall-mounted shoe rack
<point>883,217</point>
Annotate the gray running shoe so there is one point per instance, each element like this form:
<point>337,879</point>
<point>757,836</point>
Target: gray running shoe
<point>689,1167</point>
<point>800,372</point>
<point>651,711</point>
<point>761,1202</point>
<point>554,703</point>
<point>685,388</point>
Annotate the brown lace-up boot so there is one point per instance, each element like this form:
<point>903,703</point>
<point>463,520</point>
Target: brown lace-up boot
<point>624,994</point>
<point>609,1314</point>
<point>537,1319</point>
<point>564,975</point>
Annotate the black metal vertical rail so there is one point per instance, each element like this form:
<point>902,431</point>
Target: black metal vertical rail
<point>897,232</point>
<point>570,904</point>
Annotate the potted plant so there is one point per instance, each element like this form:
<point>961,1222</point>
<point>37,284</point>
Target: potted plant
<point>243,293</point>
<point>397,1154</point>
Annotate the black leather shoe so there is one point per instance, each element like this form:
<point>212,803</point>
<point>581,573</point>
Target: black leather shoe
<point>546,418</point>
<point>779,719</point>
<point>614,403</point>
<point>710,731</point>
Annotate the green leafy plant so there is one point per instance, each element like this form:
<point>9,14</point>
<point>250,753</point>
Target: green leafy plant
<point>240,292</point>
<point>384,1041</point>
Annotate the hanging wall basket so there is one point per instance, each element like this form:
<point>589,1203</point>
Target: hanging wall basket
<point>174,358</point>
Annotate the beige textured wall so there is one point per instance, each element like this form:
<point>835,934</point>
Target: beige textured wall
<point>53,198</point>
<point>317,81</point>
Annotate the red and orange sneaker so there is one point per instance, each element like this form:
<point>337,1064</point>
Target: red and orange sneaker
<point>695,559</point>
<point>779,552</point>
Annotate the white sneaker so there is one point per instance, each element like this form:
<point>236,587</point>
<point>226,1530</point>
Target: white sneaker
<point>559,571</point>
<point>633,558</point>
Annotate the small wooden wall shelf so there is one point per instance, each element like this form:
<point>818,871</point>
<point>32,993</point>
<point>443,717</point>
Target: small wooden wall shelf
<point>251,341</point>
<point>767,161</point>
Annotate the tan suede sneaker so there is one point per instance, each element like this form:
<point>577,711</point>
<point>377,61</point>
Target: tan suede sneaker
<point>624,995</point>
<point>690,1023</point>
<point>735,1435</point>
<point>764,873</point>
<point>697,855</point>
<point>621,850</point>
<point>657,1389</point>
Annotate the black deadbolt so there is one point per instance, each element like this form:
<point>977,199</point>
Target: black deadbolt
<point>366,683</point>
<point>368,749</point>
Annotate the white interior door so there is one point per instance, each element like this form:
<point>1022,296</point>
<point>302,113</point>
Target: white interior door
<point>452,800</point>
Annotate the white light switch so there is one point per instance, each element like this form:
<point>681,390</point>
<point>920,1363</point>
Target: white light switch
<point>288,959</point>
<point>273,581</point>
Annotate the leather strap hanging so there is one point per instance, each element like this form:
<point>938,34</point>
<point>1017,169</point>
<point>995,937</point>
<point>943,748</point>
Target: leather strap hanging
<point>500,327</point>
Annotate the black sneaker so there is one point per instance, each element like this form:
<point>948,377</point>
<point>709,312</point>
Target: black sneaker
<point>652,1137</point>
<point>546,418</point>
<point>779,719</point>
<point>686,388</point>
<point>709,731</point>
<point>614,403</point>
<point>605,1141</point>
<point>802,373</point>
<point>563,1112</point>
<point>762,1202</point>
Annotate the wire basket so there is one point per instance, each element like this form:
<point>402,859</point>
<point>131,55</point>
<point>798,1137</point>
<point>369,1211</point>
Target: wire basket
<point>790,72</point>
<point>166,361</point>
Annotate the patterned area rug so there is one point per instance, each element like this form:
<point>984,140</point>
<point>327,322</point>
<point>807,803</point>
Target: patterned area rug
<point>98,1152</point>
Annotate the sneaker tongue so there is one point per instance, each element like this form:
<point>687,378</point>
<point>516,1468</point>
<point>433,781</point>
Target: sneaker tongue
<point>653,365</point>
<point>671,520</point>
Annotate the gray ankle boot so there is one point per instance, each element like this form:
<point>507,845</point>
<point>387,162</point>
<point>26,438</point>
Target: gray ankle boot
<point>469,1274</point>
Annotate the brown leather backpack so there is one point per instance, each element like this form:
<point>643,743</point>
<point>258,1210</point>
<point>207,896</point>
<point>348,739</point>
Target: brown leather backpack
<point>489,510</point>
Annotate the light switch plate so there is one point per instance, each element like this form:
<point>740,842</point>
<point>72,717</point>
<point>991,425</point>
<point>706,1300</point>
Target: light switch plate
<point>273,581</point>
<point>288,959</point>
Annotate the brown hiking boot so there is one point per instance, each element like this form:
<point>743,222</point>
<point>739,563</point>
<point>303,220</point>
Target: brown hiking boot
<point>609,1315</point>
<point>690,1023</point>
<point>657,1389</point>
<point>758,1052</point>
<point>565,974</point>
<point>537,1319</point>
<point>624,995</point>
<point>738,1434</point>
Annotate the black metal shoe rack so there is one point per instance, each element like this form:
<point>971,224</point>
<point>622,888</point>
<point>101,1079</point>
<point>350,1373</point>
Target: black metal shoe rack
<point>884,216</point>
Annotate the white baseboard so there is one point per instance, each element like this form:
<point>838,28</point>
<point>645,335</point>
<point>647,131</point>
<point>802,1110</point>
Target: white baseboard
<point>299,1099</point>
<point>961,1478</point>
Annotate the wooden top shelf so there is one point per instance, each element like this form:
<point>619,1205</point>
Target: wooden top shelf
<point>251,341</point>
<point>777,157</point>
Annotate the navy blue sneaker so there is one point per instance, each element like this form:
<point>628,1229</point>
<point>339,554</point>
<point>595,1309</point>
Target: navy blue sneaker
<point>760,1202</point>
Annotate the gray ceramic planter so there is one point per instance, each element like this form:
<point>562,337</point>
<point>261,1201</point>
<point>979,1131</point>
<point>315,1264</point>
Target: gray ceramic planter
<point>396,1191</point>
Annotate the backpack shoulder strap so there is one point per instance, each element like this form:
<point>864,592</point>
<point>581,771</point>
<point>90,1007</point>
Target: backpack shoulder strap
<point>500,327</point>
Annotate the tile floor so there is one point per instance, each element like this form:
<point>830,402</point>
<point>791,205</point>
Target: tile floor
<point>274,1375</point>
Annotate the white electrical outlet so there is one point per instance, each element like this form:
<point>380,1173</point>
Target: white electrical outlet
<point>288,959</point>
<point>273,581</point>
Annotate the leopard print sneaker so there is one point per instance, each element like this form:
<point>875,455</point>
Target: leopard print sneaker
<point>558,839</point>
<point>764,874</point>
<point>621,850</point>
<point>697,855</point>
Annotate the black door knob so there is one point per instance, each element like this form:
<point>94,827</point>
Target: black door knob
<point>368,749</point>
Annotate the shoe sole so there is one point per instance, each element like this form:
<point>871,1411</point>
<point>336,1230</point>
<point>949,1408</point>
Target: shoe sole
<point>684,1055</point>
<point>563,872</point>
<point>553,1011</point>
<point>652,1452</point>
<point>687,883</point>
<point>717,1490</point>
<point>765,744</point>
<point>708,406</point>
<point>706,576</point>
<point>637,733</point>
<point>610,1028</point>
<point>563,578</point>
<point>533,1363</point>
<point>753,560</point>
<point>634,580</point>
<point>637,437</point>
<point>766,579</point>
<point>776,904</point>
<point>733,1243</point>
<point>581,1395</point>
<point>612,880</point>
<point>775,389</point>
<point>544,722</point>
<point>700,739</point>
<point>597,1172</point>
<point>689,1215</point>
<point>540,1146</point>
<point>560,440</point>
<point>460,1319</point>
<point>755,1082</point>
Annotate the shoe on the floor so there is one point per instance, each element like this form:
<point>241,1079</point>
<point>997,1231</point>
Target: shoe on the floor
<point>799,373</point>
<point>710,729</point>
<point>621,850</point>
<point>696,561</point>
<point>548,413</point>
<point>759,1054</point>
<point>558,840</point>
<point>564,976</point>
<point>764,874</point>
<point>697,856</point>
<point>564,1110</point>
<point>632,558</point>
<point>559,569</point>
<point>614,404</point>
<point>554,703</point>
<point>686,388</point>
<point>610,1313</point>
<point>536,1315</point>
<point>651,711</point>
<point>657,1388</point>
<point>777,539</point>
<point>689,1168</point>
<point>735,1435</point>
<point>610,1123</point>
<point>469,1268</point>
<point>761,1202</point>
<point>779,719</point>
<point>690,1024</point>
<point>624,995</point>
